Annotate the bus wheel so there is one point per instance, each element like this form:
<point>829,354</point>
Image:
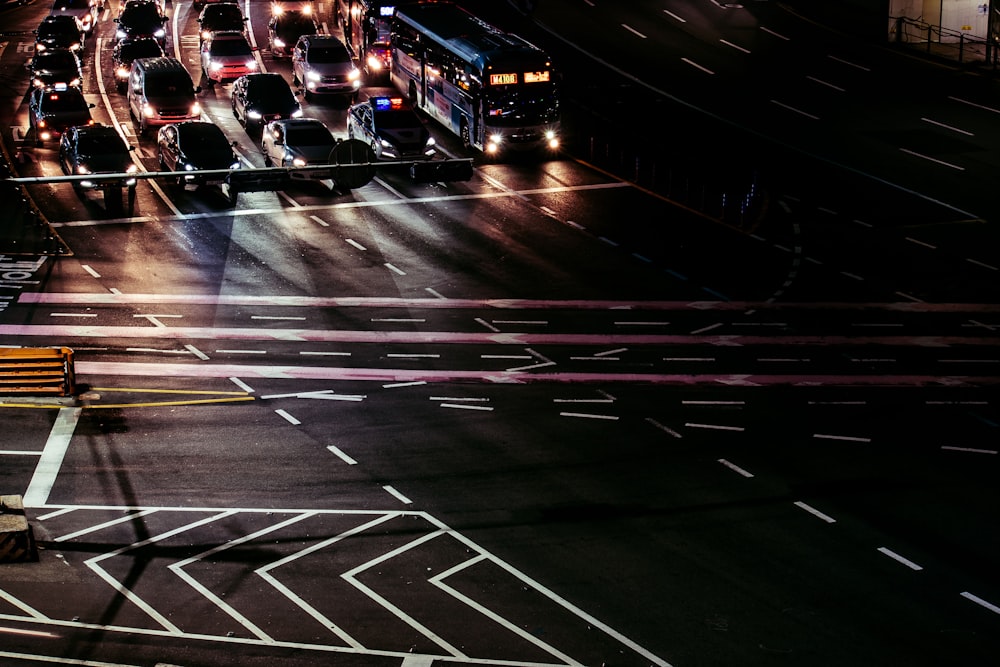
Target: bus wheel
<point>411,93</point>
<point>466,138</point>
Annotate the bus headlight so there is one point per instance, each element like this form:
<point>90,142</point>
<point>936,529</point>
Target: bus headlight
<point>551,139</point>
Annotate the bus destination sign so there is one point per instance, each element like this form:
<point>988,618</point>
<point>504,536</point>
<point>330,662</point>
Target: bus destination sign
<point>503,79</point>
<point>536,77</point>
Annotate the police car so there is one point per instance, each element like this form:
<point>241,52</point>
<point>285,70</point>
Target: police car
<point>391,127</point>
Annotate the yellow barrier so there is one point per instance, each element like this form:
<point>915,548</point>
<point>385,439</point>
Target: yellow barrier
<point>37,370</point>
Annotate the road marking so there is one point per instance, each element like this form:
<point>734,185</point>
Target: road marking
<point>86,267</point>
<point>825,83</point>
<point>716,427</point>
<point>978,600</point>
<point>973,104</point>
<point>395,269</point>
<point>776,34</point>
<point>397,495</point>
<point>815,512</point>
<point>633,30</point>
<point>72,314</point>
<point>947,127</point>
<point>588,415</point>
<point>297,318</point>
<point>697,66</point>
<point>796,110</point>
<point>970,450</point>
<point>896,557</point>
<point>51,458</point>
<point>33,657</point>
<point>287,417</point>
<point>848,438</point>
<point>735,468</point>
<point>319,220</point>
<point>196,352</point>
<point>932,159</point>
<point>674,16</point>
<point>242,385</point>
<point>665,429</point>
<point>464,406</point>
<point>735,46</point>
<point>130,516</point>
<point>344,457</point>
<point>849,63</point>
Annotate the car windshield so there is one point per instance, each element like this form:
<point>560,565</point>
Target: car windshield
<point>56,102</point>
<point>57,29</point>
<point>56,60</point>
<point>141,49</point>
<point>203,137</point>
<point>101,144</point>
<point>309,135</point>
<point>329,55</point>
<point>225,12</point>
<point>293,24</point>
<point>140,15</point>
<point>269,87</point>
<point>170,82</point>
<point>71,4</point>
<point>230,47</point>
<point>394,120</point>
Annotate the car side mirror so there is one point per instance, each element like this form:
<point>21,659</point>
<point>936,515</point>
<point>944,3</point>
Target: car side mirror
<point>234,143</point>
<point>91,105</point>
<point>197,89</point>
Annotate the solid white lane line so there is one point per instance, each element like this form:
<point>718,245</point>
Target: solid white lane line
<point>52,456</point>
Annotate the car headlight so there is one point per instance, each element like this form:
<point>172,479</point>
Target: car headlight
<point>122,72</point>
<point>278,42</point>
<point>297,113</point>
<point>75,46</point>
<point>39,83</point>
<point>298,162</point>
<point>148,111</point>
<point>374,63</point>
<point>353,75</point>
<point>75,83</point>
<point>215,66</point>
<point>160,33</point>
<point>254,114</point>
<point>205,34</point>
<point>430,142</point>
<point>385,143</point>
<point>81,169</point>
<point>235,165</point>
<point>131,168</point>
<point>188,167</point>
<point>196,109</point>
<point>313,76</point>
<point>252,65</point>
<point>121,34</point>
<point>40,47</point>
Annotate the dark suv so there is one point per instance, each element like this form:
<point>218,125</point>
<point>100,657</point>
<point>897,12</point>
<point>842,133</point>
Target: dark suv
<point>59,32</point>
<point>141,18</point>
<point>220,16</point>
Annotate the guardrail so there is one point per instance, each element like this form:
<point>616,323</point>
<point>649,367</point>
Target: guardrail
<point>37,370</point>
<point>937,40</point>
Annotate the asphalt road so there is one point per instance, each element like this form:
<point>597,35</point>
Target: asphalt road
<point>543,417</point>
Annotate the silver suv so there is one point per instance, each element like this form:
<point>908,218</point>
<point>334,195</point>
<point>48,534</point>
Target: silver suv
<point>321,64</point>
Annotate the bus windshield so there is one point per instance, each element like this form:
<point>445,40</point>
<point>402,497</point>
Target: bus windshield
<point>507,106</point>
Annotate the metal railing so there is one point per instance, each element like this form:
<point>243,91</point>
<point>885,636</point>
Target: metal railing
<point>936,40</point>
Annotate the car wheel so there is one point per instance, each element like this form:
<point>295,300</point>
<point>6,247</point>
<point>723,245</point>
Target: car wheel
<point>308,96</point>
<point>267,160</point>
<point>375,147</point>
<point>295,79</point>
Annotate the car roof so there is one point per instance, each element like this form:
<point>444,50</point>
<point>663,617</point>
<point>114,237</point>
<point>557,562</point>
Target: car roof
<point>292,122</point>
<point>99,129</point>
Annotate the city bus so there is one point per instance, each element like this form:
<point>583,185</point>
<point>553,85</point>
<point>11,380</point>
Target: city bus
<point>493,89</point>
<point>366,25</point>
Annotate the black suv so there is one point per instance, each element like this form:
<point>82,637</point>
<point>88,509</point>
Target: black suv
<point>192,146</point>
<point>262,97</point>
<point>220,16</point>
<point>128,50</point>
<point>55,69</point>
<point>63,31</point>
<point>141,18</point>
<point>50,112</point>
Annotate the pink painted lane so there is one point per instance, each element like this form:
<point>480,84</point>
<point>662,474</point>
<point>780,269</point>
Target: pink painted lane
<point>250,372</point>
